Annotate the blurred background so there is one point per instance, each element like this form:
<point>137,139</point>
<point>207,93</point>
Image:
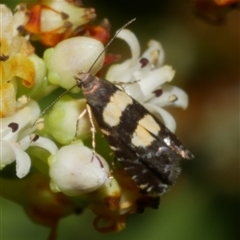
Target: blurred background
<point>203,46</point>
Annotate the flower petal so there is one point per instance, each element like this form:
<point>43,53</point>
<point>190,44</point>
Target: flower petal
<point>7,154</point>
<point>20,17</point>
<point>6,27</point>
<point>76,15</point>
<point>22,67</point>
<point>45,143</point>
<point>134,90</point>
<point>133,43</point>
<point>7,99</point>
<point>149,81</point>
<point>120,73</point>
<point>123,72</point>
<point>24,117</point>
<point>171,96</point>
<point>155,53</point>
<point>23,161</point>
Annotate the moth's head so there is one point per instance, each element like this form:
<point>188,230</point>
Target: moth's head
<point>85,81</point>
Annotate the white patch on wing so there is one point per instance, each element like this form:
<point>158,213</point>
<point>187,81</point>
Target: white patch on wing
<point>150,124</point>
<point>141,137</point>
<point>113,111</point>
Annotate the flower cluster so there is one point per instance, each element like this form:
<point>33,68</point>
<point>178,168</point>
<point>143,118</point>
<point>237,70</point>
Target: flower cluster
<point>48,149</point>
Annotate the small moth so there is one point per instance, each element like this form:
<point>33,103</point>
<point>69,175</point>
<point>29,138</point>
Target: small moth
<point>148,151</point>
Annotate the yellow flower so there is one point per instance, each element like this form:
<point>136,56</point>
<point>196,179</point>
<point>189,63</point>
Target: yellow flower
<point>14,62</point>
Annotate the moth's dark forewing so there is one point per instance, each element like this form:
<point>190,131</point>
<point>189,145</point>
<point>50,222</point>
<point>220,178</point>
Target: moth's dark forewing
<point>173,142</point>
<point>146,177</point>
<point>154,165</point>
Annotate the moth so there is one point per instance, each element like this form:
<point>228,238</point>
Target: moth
<point>148,151</point>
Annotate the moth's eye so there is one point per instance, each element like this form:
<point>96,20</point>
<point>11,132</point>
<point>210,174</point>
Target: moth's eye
<point>79,82</point>
<point>84,84</point>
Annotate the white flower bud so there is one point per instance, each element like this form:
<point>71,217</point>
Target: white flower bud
<point>67,111</point>
<point>62,14</point>
<point>75,170</point>
<point>72,55</point>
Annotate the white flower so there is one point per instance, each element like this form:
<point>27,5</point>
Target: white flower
<point>64,15</point>
<point>147,79</point>
<point>74,170</point>
<point>17,136</point>
<point>17,65</point>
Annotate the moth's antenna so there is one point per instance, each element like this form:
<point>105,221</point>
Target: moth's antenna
<point>115,35</point>
<point>49,106</point>
<point>117,32</point>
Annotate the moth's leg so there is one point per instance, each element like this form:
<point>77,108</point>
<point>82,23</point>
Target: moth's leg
<point>93,129</point>
<point>77,123</point>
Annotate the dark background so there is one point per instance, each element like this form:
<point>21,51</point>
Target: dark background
<point>204,204</point>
